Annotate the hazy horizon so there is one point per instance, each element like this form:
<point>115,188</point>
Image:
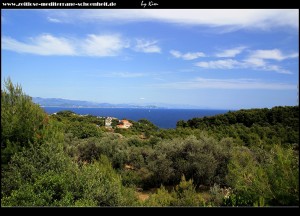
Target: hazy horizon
<point>222,59</point>
<point>159,105</point>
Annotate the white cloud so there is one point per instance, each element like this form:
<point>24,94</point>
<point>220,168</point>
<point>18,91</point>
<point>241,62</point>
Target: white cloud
<point>146,46</point>
<point>103,45</point>
<point>187,56</point>
<point>219,64</point>
<point>54,20</point>
<point>203,83</point>
<point>124,75</point>
<point>256,60</point>
<point>176,53</point>
<point>277,69</point>
<point>231,18</point>
<point>46,44</point>
<point>231,52</point>
<point>258,63</point>
<point>274,54</point>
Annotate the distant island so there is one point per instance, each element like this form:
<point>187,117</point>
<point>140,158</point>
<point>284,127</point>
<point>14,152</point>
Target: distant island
<point>59,102</point>
<point>66,103</point>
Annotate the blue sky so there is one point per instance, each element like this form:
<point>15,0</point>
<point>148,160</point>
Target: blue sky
<point>224,59</point>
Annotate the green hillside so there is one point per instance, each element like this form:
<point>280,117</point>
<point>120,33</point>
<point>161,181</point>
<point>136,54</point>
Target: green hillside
<point>241,158</point>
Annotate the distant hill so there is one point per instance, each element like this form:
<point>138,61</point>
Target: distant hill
<point>59,102</point>
<point>287,116</point>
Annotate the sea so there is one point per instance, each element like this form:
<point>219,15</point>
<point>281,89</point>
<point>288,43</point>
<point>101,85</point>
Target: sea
<point>162,118</point>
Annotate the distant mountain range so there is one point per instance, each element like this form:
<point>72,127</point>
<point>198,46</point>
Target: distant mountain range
<point>59,102</point>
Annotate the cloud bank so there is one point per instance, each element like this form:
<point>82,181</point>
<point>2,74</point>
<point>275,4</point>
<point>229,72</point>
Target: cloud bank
<point>92,45</point>
<point>233,18</point>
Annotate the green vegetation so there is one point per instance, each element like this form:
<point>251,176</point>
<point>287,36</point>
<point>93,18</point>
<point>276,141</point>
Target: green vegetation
<point>22,121</point>
<point>242,158</point>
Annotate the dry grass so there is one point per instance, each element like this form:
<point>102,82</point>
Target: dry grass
<point>142,196</point>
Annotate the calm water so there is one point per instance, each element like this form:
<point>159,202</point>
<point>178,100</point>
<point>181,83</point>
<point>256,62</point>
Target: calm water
<point>163,118</point>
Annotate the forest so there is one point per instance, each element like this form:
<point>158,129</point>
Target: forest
<point>241,158</point>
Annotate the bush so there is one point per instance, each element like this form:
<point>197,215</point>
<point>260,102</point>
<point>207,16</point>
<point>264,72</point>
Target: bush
<point>272,181</point>
<point>21,121</point>
<point>183,195</point>
<point>161,198</point>
<point>187,195</point>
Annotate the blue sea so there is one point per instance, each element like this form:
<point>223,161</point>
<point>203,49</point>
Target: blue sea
<point>163,118</point>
